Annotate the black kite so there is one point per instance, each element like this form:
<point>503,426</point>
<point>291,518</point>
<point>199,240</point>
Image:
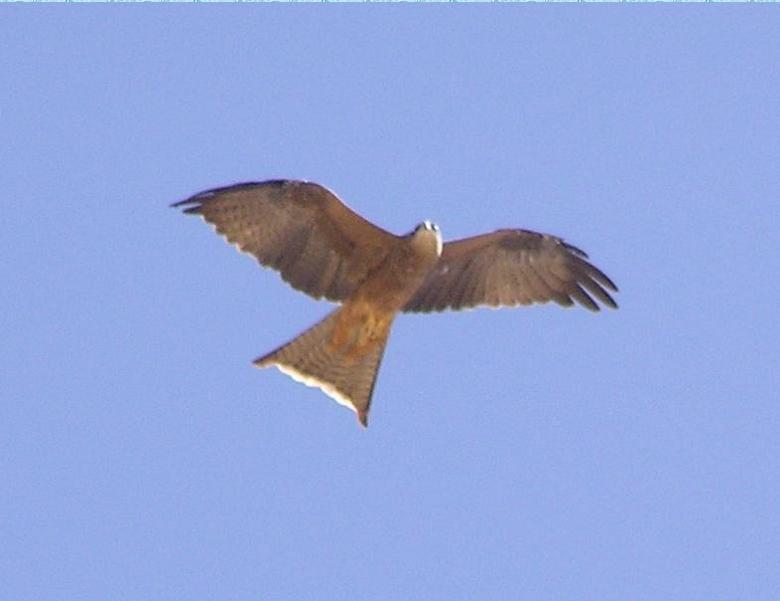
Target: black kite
<point>326,250</point>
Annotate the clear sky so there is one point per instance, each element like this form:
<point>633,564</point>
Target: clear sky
<point>535,453</point>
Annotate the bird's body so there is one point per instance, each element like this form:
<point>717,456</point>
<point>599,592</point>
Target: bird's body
<point>326,250</point>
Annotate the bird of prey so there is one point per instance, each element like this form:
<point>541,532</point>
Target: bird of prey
<point>323,248</point>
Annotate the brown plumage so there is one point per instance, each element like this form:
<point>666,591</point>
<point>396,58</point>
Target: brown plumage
<point>326,250</point>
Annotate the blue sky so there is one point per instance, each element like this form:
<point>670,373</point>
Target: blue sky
<point>534,453</point>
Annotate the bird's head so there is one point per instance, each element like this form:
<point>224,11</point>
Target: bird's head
<point>428,233</point>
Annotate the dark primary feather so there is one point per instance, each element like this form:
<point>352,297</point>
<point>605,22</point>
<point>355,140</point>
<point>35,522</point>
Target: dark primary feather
<point>509,268</point>
<point>301,229</point>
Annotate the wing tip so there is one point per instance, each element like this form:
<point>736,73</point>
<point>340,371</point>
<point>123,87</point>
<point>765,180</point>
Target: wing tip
<point>193,209</point>
<point>574,249</point>
<point>607,281</point>
<point>196,201</point>
<point>192,205</point>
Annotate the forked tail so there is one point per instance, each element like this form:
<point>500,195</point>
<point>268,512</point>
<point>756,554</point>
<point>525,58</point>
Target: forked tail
<point>343,364</point>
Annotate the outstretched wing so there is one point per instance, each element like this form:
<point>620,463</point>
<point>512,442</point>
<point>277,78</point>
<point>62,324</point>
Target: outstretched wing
<point>301,229</point>
<point>509,268</point>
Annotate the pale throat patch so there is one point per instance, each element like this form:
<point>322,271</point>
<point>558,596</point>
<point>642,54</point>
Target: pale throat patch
<point>423,238</point>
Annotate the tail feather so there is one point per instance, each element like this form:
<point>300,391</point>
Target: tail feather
<point>314,360</point>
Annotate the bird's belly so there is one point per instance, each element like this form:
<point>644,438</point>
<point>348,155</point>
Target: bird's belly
<point>391,286</point>
<point>365,319</point>
<point>360,326</point>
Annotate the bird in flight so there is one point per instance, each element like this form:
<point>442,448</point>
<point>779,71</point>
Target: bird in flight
<point>323,248</point>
